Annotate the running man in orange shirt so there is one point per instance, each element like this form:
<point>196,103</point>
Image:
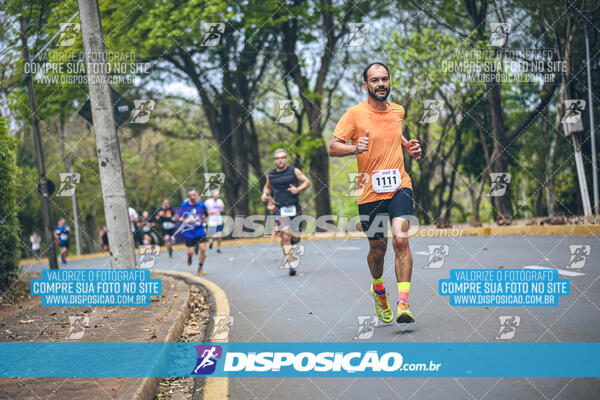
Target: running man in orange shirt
<point>374,127</point>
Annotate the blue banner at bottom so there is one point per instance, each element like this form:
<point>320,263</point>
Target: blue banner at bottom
<point>282,359</point>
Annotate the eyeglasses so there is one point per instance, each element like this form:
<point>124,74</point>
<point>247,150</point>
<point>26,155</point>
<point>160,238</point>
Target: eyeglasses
<point>281,158</point>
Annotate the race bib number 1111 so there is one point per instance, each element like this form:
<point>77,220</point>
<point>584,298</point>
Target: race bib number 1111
<point>387,180</point>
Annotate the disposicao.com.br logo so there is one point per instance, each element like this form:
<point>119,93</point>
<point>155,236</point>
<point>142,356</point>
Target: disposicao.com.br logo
<point>351,362</point>
<point>207,359</point>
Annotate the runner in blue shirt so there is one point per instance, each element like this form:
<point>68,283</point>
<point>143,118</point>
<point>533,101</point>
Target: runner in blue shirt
<point>192,214</point>
<point>61,233</point>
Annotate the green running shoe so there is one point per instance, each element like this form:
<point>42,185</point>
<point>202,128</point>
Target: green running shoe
<point>382,306</point>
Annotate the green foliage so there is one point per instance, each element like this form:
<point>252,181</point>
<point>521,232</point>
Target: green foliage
<point>164,156</point>
<point>9,225</point>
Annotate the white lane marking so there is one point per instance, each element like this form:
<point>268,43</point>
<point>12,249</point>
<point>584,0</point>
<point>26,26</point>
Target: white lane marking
<point>347,248</point>
<point>422,253</point>
<point>560,271</point>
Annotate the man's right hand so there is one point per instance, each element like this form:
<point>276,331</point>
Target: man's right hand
<point>363,143</point>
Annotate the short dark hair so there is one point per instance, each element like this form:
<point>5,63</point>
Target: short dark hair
<point>190,189</point>
<point>370,65</point>
<point>280,150</point>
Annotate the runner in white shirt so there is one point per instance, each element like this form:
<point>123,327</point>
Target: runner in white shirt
<point>36,244</point>
<point>215,208</point>
<point>134,217</point>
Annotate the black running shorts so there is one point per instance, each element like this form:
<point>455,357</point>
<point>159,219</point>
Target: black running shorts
<point>399,205</point>
<point>194,242</point>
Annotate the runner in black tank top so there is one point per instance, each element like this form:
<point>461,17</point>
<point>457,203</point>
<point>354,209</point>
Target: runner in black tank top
<point>281,189</point>
<point>165,216</point>
<point>280,183</point>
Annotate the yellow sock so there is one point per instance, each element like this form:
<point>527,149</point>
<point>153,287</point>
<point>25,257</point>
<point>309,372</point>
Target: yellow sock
<point>403,289</point>
<point>378,284</point>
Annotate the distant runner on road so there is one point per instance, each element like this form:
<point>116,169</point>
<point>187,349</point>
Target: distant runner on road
<point>215,208</point>
<point>192,214</point>
<point>61,234</point>
<point>282,187</point>
<point>165,216</point>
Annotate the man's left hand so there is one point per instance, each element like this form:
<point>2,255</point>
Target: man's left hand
<point>413,148</point>
<point>293,189</point>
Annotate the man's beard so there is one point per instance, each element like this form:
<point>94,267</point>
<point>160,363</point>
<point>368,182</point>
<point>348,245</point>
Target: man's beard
<point>377,97</point>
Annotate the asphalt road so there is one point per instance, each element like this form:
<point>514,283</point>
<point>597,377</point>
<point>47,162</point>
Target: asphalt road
<point>331,291</point>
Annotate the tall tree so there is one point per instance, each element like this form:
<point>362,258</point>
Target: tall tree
<point>475,15</point>
<point>559,26</point>
<point>434,177</point>
<point>324,23</point>
<point>225,66</point>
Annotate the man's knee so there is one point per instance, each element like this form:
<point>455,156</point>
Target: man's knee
<point>378,249</point>
<point>400,244</point>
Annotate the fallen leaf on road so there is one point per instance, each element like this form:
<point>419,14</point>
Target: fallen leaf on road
<point>26,321</point>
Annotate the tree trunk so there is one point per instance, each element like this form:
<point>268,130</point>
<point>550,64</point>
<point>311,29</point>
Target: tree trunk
<point>500,163</point>
<point>90,243</point>
<point>549,185</point>
<point>319,177</point>
<point>475,202</point>
<point>426,170</point>
<point>537,205</point>
<point>449,202</point>
<point>255,155</point>
<point>234,159</point>
<point>68,163</point>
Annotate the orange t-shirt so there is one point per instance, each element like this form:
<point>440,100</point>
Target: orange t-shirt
<point>385,144</point>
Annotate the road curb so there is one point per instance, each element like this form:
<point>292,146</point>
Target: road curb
<point>145,388</point>
<point>534,230</point>
<point>215,388</point>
